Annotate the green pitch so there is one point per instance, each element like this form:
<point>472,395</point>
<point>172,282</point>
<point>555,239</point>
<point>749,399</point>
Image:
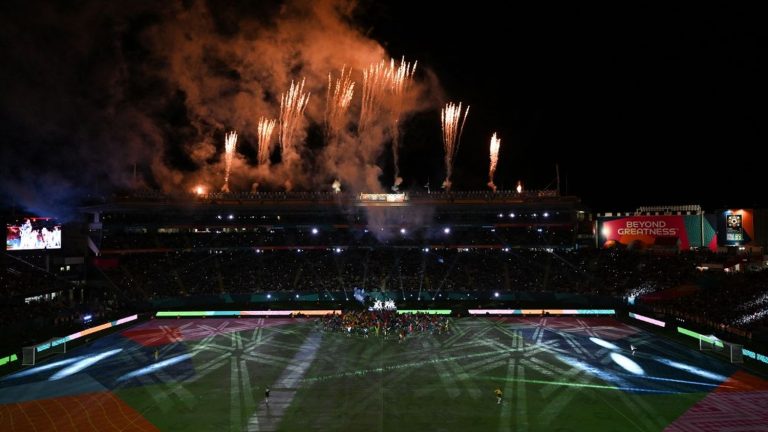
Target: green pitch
<point>329,381</point>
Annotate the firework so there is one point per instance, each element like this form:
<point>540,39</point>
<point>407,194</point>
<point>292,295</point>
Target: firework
<point>375,82</point>
<point>453,125</point>
<point>400,79</point>
<point>338,102</point>
<point>230,142</point>
<point>495,144</point>
<point>292,106</point>
<point>265,129</point>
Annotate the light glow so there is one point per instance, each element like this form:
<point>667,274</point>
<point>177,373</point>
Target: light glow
<point>43,368</point>
<point>155,367</point>
<point>604,343</point>
<point>626,363</point>
<point>691,369</point>
<point>82,364</point>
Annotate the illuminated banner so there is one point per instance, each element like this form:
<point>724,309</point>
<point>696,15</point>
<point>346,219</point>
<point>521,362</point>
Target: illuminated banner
<point>645,231</point>
<point>425,311</point>
<point>542,311</point>
<point>33,233</point>
<point>754,356</point>
<point>648,320</point>
<point>73,336</point>
<point>8,359</point>
<point>283,313</point>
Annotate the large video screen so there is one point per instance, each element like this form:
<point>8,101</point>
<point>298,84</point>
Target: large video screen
<point>645,231</point>
<point>736,227</point>
<point>33,233</point>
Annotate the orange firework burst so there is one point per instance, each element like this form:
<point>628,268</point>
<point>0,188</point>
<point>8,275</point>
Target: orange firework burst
<point>453,125</point>
<point>292,106</point>
<point>375,81</point>
<point>265,128</point>
<point>400,78</point>
<point>495,145</point>
<point>230,142</point>
<point>338,101</point>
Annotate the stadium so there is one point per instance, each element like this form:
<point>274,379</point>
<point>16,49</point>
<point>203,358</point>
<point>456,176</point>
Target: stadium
<point>379,311</point>
<point>344,215</point>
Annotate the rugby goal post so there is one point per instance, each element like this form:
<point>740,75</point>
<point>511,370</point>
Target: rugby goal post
<point>32,354</point>
<point>733,351</point>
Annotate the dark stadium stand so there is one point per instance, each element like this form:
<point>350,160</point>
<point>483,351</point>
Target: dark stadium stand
<point>142,249</point>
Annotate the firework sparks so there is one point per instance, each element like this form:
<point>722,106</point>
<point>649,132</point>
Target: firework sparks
<point>495,144</point>
<point>230,142</point>
<point>453,125</point>
<point>375,81</point>
<point>400,78</point>
<point>338,101</point>
<point>265,129</point>
<point>292,106</point>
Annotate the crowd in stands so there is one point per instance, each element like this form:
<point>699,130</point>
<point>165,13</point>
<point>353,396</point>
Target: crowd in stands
<point>38,321</point>
<point>267,237</point>
<point>20,278</point>
<point>668,284</point>
<point>394,269</point>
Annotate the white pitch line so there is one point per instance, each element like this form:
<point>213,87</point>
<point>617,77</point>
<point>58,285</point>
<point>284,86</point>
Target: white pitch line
<point>505,423</point>
<point>234,384</point>
<point>268,416</point>
<point>520,401</point>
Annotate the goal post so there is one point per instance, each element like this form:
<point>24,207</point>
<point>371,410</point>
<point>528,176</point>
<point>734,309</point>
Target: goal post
<point>31,355</point>
<point>28,356</point>
<point>710,343</point>
<point>734,352</point>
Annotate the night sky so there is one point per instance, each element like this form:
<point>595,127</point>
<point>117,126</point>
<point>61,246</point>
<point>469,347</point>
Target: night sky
<point>637,106</point>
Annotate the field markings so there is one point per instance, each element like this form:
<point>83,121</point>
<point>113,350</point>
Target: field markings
<point>268,416</point>
<point>505,411</point>
<point>521,409</point>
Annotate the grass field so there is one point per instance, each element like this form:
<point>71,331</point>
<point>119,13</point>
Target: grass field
<point>557,374</point>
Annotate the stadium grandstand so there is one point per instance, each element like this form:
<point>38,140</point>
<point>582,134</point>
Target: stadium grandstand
<point>143,247</point>
<point>458,253</point>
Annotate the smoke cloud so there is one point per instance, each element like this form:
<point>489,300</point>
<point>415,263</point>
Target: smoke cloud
<point>104,95</point>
